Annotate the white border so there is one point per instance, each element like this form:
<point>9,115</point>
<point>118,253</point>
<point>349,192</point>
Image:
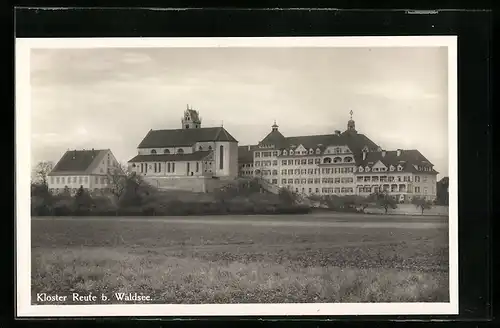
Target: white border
<point>23,221</point>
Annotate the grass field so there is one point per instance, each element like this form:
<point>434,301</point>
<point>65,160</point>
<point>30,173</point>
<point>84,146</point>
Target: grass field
<point>304,258</point>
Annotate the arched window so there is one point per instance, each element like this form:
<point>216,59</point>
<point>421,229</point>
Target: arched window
<point>180,151</point>
<point>153,151</point>
<point>327,160</point>
<point>337,160</point>
<point>221,157</point>
<point>200,148</point>
<point>209,147</point>
<point>348,159</point>
<point>166,151</point>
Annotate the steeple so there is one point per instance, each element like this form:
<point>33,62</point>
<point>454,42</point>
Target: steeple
<point>274,126</point>
<point>191,119</point>
<point>351,125</point>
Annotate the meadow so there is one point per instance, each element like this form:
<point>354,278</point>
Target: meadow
<point>244,259</point>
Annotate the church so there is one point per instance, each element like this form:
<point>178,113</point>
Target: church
<point>188,158</point>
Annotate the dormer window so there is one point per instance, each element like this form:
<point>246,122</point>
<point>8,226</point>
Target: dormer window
<point>311,151</point>
<point>360,169</point>
<point>166,151</point>
<point>285,152</point>
<point>318,151</point>
<point>291,152</point>
<point>153,151</point>
<point>367,169</point>
<point>391,168</point>
<point>400,168</point>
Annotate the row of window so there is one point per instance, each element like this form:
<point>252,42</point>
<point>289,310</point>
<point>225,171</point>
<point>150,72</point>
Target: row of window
<point>80,180</point>
<point>317,180</point>
<point>391,188</point>
<point>389,178</point>
<point>311,151</point>
<point>179,151</point>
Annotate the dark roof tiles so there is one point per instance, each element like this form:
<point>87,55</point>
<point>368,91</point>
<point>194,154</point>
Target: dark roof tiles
<point>196,156</point>
<point>77,161</point>
<point>184,137</point>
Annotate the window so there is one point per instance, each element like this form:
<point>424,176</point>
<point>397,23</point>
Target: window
<point>337,180</point>
<point>154,167</point>
<point>85,180</point>
<point>180,151</point>
<point>417,189</point>
<point>327,160</point>
<point>275,162</point>
<point>153,151</point>
<point>311,151</point>
<point>337,160</point>
<point>391,179</point>
<point>424,178</point>
<point>391,168</point>
<point>80,180</point>
<point>275,172</point>
<point>417,178</point>
<point>297,171</point>
<point>316,180</point>
<point>310,171</point>
<point>303,162</point>
<point>367,169</point>
<point>102,180</point>
<point>318,151</point>
<point>291,152</point>
<point>290,162</point>
<point>360,169</point>
<point>348,159</point>
<point>283,162</point>
<point>173,167</point>
<point>303,181</point>
<point>328,170</point>
<point>400,168</point>
<point>290,171</point>
<point>197,166</point>
<point>285,152</point>
<point>310,180</point>
<point>257,163</point>
<point>359,179</point>
<point>62,180</point>
<point>283,181</point>
<point>317,190</point>
<point>221,157</point>
<point>310,161</point>
<point>297,181</point>
<point>290,181</point>
<point>275,181</point>
<point>383,179</point>
<point>399,178</point>
<point>57,180</point>
<point>374,178</point>
<point>275,153</point>
<point>283,172</point>
<point>375,169</point>
<point>303,171</point>
<point>200,148</point>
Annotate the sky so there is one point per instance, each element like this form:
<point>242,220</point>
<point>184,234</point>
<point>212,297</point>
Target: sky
<point>111,97</point>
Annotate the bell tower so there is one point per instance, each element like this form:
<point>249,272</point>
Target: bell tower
<point>351,125</point>
<point>191,119</point>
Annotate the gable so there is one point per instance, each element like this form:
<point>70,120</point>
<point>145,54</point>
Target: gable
<point>77,161</point>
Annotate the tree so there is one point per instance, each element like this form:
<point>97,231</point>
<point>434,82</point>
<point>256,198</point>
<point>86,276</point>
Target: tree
<point>287,196</point>
<point>384,200</point>
<point>117,180</point>
<point>82,201</point>
<point>421,203</point>
<point>42,170</point>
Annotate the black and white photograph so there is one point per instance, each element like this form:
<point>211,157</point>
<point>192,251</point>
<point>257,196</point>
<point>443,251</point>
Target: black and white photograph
<point>236,176</point>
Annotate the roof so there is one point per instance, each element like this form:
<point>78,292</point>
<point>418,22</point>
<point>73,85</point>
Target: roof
<point>355,141</point>
<point>245,155</point>
<point>77,162</point>
<point>196,156</point>
<point>407,159</point>
<point>194,115</point>
<point>184,137</point>
<point>274,138</point>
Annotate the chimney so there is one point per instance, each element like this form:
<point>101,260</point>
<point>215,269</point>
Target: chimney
<point>74,154</point>
<point>249,148</point>
<point>337,132</point>
<point>383,153</point>
<point>364,155</point>
<point>399,152</point>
